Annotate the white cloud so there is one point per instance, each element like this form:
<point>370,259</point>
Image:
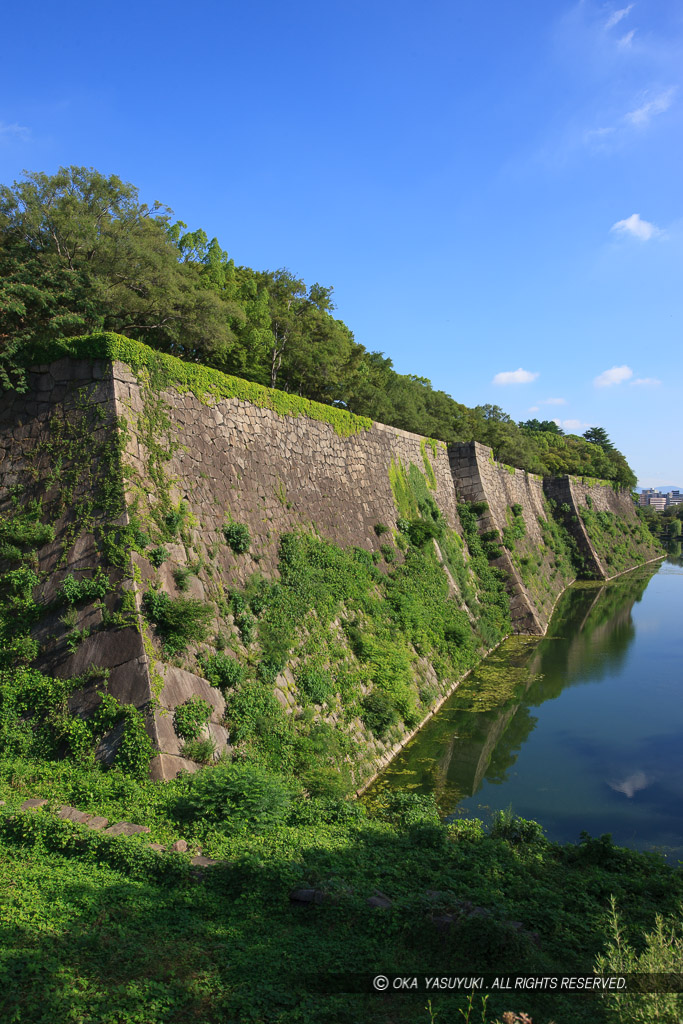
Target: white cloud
<point>614,376</point>
<point>13,131</point>
<point>648,382</point>
<point>573,426</point>
<point>554,401</point>
<point>533,408</point>
<point>626,40</point>
<point>519,376</point>
<point>616,16</point>
<point>636,226</point>
<point>643,114</point>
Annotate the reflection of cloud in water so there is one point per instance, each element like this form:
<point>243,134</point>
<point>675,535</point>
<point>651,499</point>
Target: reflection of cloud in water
<point>631,784</point>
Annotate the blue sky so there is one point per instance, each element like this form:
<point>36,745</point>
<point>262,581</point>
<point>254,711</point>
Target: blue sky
<point>493,190</point>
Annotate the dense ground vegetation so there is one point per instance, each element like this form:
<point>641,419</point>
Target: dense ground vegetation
<point>80,254</point>
<point>105,930</point>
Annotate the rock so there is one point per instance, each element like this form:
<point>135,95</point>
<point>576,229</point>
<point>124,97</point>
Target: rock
<point>180,846</point>
<point>97,822</point>
<point>71,814</point>
<point>32,804</point>
<point>305,896</point>
<point>203,862</point>
<point>379,900</point>
<point>443,921</point>
<point>125,828</point>
<point>157,847</point>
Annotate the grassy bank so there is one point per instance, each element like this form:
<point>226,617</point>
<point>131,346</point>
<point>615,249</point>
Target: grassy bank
<point>102,930</point>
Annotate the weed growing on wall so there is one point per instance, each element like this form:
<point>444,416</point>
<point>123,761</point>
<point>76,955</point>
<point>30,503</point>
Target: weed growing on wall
<point>180,621</point>
<point>620,543</point>
<point>35,721</point>
<point>190,717</point>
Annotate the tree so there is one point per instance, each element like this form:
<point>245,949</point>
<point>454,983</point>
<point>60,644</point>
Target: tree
<point>80,253</point>
<point>597,435</point>
<point>549,425</point>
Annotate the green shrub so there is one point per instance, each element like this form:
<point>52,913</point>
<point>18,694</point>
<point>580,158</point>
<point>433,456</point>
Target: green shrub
<point>236,795</point>
<point>136,748</point>
<point>380,528</point>
<point>180,621</point>
<point>509,826</point>
<point>176,518</point>
<point>246,625</point>
<point>420,531</point>
<point>221,671</point>
<point>317,684</point>
<point>661,956</point>
<point>466,829</point>
<point>389,553</point>
<point>201,751</point>
<point>190,717</point>
<point>73,591</point>
<point>181,577</point>
<point>238,537</point>
<point>157,556</point>
<point>250,710</point>
<point>379,712</point>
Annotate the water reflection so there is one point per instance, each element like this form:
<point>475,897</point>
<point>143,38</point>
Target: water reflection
<point>478,734</point>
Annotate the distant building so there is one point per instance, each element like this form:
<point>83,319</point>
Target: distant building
<point>674,498</point>
<point>654,498</point>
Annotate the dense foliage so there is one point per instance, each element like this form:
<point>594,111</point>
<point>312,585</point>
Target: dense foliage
<point>109,931</point>
<point>80,254</point>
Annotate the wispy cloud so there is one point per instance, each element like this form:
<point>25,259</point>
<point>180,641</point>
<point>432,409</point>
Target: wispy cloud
<point>573,426</point>
<point>554,401</point>
<point>634,225</point>
<point>626,40</point>
<point>519,376</point>
<point>13,131</point>
<point>631,784</point>
<point>617,16</point>
<point>616,375</point>
<point>646,382</point>
<point>533,408</point>
<point>643,114</point>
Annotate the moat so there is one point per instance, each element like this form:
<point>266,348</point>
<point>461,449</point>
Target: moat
<point>580,730</point>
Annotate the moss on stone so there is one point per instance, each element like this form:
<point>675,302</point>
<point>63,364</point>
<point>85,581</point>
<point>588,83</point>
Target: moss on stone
<point>209,386</point>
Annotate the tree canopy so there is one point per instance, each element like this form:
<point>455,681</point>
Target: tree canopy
<point>80,253</point>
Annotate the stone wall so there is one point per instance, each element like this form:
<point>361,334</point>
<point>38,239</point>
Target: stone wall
<point>477,478</point>
<point>610,548</point>
<point>85,429</point>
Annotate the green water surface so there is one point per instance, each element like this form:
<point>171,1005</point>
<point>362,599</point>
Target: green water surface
<point>581,730</point>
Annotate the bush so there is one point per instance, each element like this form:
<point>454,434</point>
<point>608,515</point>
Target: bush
<point>190,717</point>
<point>175,519</point>
<point>466,829</point>
<point>507,825</point>
<point>379,712</point>
<point>389,553</point>
<point>180,621</point>
<point>74,591</point>
<point>201,751</point>
<point>181,577</point>
<point>238,537</point>
<point>157,556</point>
<point>236,795</point>
<point>420,531</point>
<point>317,684</point>
<point>380,528</point>
<point>220,670</point>
<point>136,748</point>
